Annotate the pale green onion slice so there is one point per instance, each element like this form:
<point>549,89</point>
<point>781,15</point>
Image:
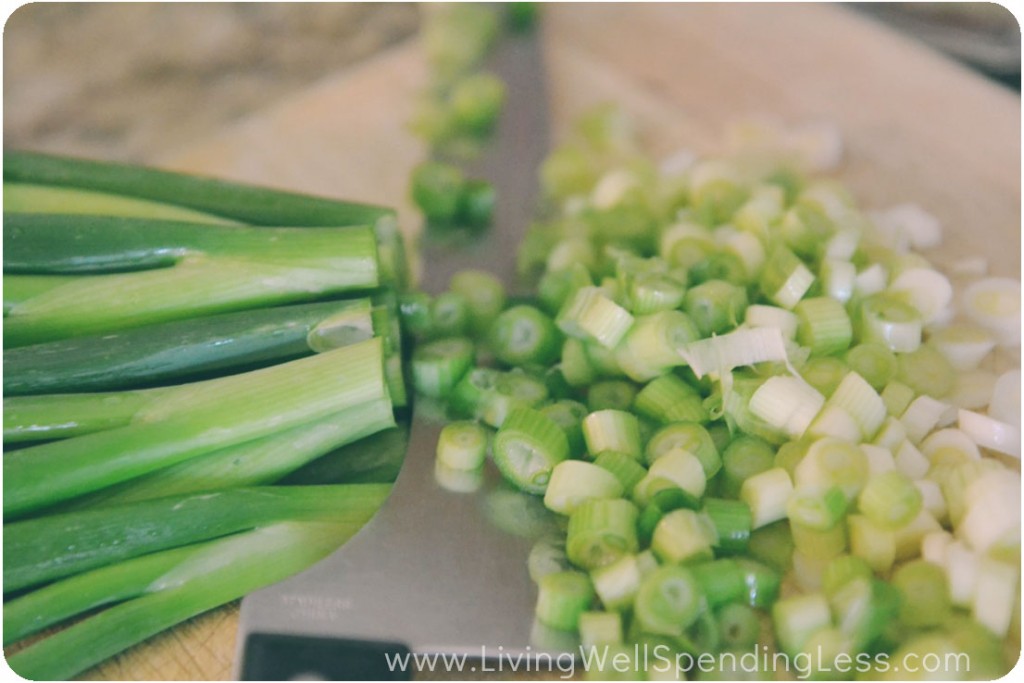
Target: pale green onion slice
<point>880,459</point>
<point>690,437</point>
<point>590,314</point>
<point>669,601</point>
<point>524,335</point>
<point>617,583</point>
<point>562,597</point>
<point>932,500</point>
<point>669,399</point>
<point>574,481</point>
<point>651,346</point>
<point>683,536</point>
<point>484,295</point>
<point>871,280</point>
<point>600,629</point>
<point>926,290</point>
<point>887,320</point>
<point>438,366</point>
<point>992,516</point>
<point>677,468</point>
<point>824,325</point>
<point>835,422</point>
<point>994,303</point>
<point>787,403</point>
<point>890,500</point>
<point>891,434</point>
<point>990,433</point>
<point>833,462</point>
<point>964,346</point>
<point>719,355</point>
<point>760,315</point>
<point>897,397</point>
<point>612,430</point>
<point>910,461</point>
<point>527,447</point>
<point>600,531</point>
<point>838,279</point>
<point>871,542</point>
<point>923,415</point>
<point>926,371</point>
<point>462,445</point>
<point>576,366</point>
<point>934,545</point>
<point>797,618</point>
<point>995,595</point>
<point>948,444</point>
<point>785,279</point>
<point>861,401</point>
<point>1005,403</point>
<point>816,508</point>
<point>623,467</point>
<point>874,362</point>
<point>767,493</point>
<point>972,389</point>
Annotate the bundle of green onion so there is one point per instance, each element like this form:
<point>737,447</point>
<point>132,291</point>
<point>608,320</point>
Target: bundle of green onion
<point>173,347</point>
<point>751,402</point>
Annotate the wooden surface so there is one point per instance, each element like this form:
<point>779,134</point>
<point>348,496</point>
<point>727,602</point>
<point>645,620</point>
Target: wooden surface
<point>917,128</point>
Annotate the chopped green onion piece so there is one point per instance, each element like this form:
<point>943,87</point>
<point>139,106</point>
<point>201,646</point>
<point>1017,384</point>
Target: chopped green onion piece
<point>824,373</point>
<point>816,546</point>
<point>524,335</point>
<point>797,618</point>
<point>612,430</point>
<point>926,371</point>
<point>462,445</point>
<point>562,597</point>
<point>669,399</point>
<point>527,447</point>
<point>861,401</point>
<point>785,279</point>
<point>767,494</point>
<point>739,626</point>
<point>449,315</point>
<point>668,602</point>
<point>677,468</point>
<point>617,583</point>
<point>787,403</point>
<point>715,306</point>
<point>683,536</point>
<point>732,521</point>
<point>690,437</point>
<point>721,581</point>
<point>897,397</point>
<point>576,366</point>
<point>623,467</point>
<point>547,556</point>
<point>611,394</point>
<point>924,594</point>
<point>872,542</point>
<point>484,295</point>
<point>599,629</point>
<point>436,188</point>
<point>816,507</point>
<point>841,570</point>
<point>888,321</point>
<point>590,314</point>
<point>744,457</point>
<point>874,362</point>
<point>575,481</point>
<point>652,345</point>
<point>890,500</point>
<point>864,608</point>
<point>569,415</point>
<point>833,462</point>
<point>762,583</point>
<point>438,366</point>
<point>825,327</point>
<point>600,531</point>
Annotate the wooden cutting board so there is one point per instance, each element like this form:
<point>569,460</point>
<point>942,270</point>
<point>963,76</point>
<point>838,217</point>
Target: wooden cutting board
<point>916,126</point>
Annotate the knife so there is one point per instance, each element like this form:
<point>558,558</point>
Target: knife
<point>436,571</point>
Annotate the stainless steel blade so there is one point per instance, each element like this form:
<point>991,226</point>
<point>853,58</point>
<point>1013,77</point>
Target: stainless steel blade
<point>436,571</point>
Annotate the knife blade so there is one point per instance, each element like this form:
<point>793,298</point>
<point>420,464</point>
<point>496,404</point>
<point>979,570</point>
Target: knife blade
<point>436,571</point>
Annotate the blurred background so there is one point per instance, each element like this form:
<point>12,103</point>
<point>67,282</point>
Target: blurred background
<point>130,81</point>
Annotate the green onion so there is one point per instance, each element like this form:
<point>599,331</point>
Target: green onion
<point>590,314</point>
<point>600,531</point>
<point>890,499</point>
<point>436,188</point>
<point>574,481</point>
<point>256,205</point>
<point>824,373</point>
<point>732,522</point>
<point>690,437</point>
<point>762,583</point>
<point>651,347</point>
<point>186,349</point>
<point>611,394</point>
<point>817,508</point>
<point>744,457</point>
<point>683,536</point>
<point>55,546</point>
<point>926,371</point>
<point>767,494</point>
<point>438,366</point>
<point>622,466</point>
<point>61,416</point>
<point>562,597</point>
<point>547,556</point>
<point>670,399</point>
<point>510,390</point>
<point>797,618</point>
<point>864,608</point>
<point>739,626</point>
<point>668,602</point>
<point>252,463</point>
<point>785,279</point>
<point>569,415</point>
<point>599,629</point>
<point>192,420</point>
<point>721,581</point>
<point>449,315</point>
<point>715,306</point>
<point>832,462</point>
<point>484,295</point>
<point>786,403</point>
<point>617,583</point>
<point>211,576</point>
<point>818,544</point>
<point>842,569</point>
<point>462,445</point>
<point>874,362</point>
<point>527,447</point>
<point>576,366</point>
<point>924,594</point>
<point>676,469</point>
<point>612,430</point>
<point>825,327</point>
<point>886,320</point>
<point>872,542</point>
<point>859,399</point>
<point>524,335</point>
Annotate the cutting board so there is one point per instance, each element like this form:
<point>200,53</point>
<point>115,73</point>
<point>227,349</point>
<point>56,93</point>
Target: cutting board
<point>916,126</point>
